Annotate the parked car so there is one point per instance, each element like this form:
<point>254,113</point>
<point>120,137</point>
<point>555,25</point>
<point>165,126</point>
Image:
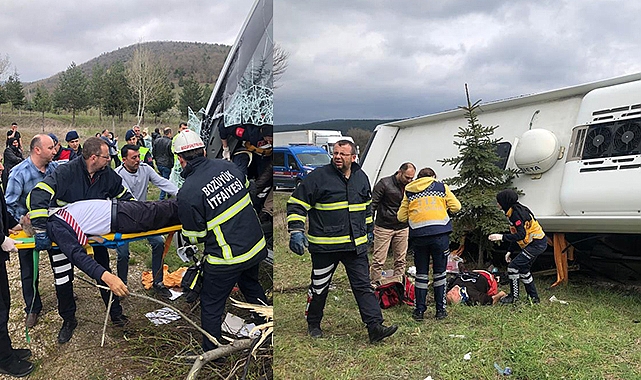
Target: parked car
<point>294,162</point>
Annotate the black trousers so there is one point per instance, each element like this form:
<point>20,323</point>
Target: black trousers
<point>136,216</point>
<point>6,352</point>
<point>357,268</point>
<point>32,304</point>
<point>217,287</point>
<point>101,255</point>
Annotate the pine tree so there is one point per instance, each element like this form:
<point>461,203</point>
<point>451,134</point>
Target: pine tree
<point>72,93</point>
<point>478,181</point>
<point>192,96</point>
<point>14,91</point>
<point>42,102</point>
<point>116,96</point>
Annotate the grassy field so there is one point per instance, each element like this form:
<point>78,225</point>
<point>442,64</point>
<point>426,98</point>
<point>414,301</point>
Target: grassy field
<point>596,336</point>
<point>140,350</point>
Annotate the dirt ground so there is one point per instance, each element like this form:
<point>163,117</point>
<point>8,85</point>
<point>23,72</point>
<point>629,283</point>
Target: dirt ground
<point>82,357</point>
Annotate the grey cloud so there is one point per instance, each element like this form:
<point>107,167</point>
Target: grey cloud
<point>41,44</point>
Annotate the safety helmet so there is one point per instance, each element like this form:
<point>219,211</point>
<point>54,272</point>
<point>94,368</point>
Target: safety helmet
<point>187,140</point>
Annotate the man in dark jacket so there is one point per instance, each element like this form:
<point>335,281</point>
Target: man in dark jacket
<point>81,179</point>
<point>388,231</point>
<point>12,361</point>
<point>214,208</point>
<point>335,198</point>
<point>164,156</point>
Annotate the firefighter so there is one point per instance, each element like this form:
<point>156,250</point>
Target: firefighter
<point>335,198</point>
<point>527,238</point>
<point>81,179</point>
<point>214,207</point>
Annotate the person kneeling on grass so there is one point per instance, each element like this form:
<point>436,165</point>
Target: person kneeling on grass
<point>526,236</point>
<point>95,217</point>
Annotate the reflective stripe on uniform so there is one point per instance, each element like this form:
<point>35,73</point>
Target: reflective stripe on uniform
<point>331,206</point>
<point>361,240</point>
<point>238,259</point>
<point>299,202</point>
<point>369,219</point>
<point>39,213</point>
<point>295,217</point>
<point>45,187</point>
<point>330,240</point>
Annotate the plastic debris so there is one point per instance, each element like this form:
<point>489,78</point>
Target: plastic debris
<point>411,271</point>
<point>428,378</point>
<point>468,356</point>
<point>505,372</point>
<point>554,299</point>
<point>456,336</point>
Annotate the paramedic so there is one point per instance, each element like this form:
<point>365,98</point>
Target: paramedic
<point>336,200</point>
<point>388,231</point>
<point>527,238</point>
<point>81,179</point>
<point>214,207</point>
<point>425,207</point>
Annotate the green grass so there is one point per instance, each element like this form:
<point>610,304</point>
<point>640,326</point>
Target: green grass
<point>594,337</point>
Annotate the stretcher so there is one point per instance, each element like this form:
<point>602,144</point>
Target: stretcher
<point>111,240</point>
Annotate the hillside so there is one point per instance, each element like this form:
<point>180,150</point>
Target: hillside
<point>202,60</point>
<point>342,125</point>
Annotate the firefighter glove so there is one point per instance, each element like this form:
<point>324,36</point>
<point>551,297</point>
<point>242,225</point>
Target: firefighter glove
<point>507,257</point>
<point>226,154</point>
<point>298,242</point>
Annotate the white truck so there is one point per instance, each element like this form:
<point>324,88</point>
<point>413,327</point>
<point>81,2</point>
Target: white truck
<point>578,149</point>
<point>323,138</point>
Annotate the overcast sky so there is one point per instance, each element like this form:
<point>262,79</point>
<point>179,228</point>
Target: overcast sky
<point>43,37</point>
<point>398,59</point>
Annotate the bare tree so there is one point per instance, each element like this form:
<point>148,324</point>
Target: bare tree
<point>145,76</point>
<point>4,65</point>
<point>281,56</point>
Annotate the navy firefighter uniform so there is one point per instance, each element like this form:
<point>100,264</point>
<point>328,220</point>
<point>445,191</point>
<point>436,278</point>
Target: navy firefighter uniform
<point>214,207</point>
<point>340,219</point>
<point>70,183</point>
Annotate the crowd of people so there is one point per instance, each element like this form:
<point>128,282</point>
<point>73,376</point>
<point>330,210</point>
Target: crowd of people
<point>62,195</point>
<point>334,214</point>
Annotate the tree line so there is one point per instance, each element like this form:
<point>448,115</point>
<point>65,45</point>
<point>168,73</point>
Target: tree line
<point>139,86</point>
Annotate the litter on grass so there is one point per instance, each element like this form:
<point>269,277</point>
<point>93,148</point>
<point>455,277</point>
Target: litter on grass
<point>162,316</point>
<point>554,299</point>
<point>236,326</point>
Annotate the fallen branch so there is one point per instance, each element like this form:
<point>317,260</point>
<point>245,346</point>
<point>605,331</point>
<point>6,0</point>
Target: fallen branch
<point>221,351</point>
<point>205,333</point>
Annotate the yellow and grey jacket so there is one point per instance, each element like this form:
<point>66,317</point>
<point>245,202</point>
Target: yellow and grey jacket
<point>425,207</point>
<point>338,210</point>
<point>524,228</point>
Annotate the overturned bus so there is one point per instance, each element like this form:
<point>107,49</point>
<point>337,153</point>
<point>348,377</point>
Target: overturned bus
<point>578,150</point>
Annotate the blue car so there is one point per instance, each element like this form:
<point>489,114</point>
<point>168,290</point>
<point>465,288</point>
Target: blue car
<point>293,163</point>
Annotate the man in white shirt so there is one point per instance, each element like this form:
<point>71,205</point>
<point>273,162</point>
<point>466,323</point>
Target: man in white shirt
<point>136,177</point>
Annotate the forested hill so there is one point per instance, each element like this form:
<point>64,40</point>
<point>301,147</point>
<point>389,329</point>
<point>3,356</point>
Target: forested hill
<point>181,59</point>
<point>342,125</point>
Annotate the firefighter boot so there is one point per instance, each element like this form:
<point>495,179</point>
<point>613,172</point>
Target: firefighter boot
<point>513,297</point>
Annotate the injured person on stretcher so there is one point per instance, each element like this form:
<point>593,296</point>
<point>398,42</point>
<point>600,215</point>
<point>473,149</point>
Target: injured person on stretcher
<point>71,225</point>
